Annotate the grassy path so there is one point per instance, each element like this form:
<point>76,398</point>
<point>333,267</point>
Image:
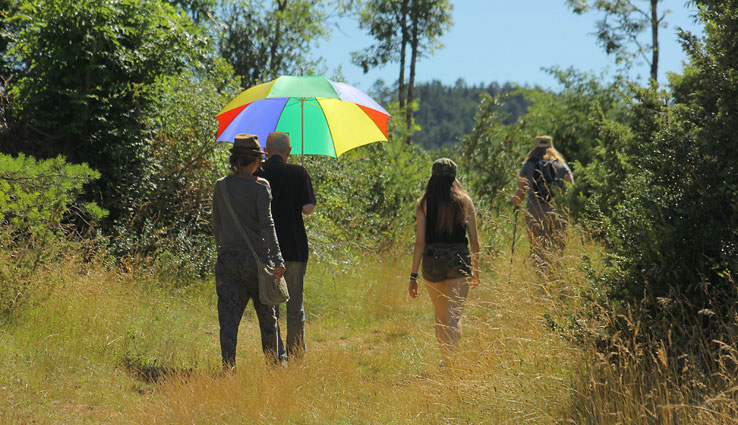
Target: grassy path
<point>97,347</point>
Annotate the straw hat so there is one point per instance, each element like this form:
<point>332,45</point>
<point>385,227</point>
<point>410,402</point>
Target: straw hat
<point>543,142</point>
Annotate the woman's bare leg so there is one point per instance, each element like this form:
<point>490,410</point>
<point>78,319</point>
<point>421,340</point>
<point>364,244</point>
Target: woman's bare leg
<point>448,303</point>
<point>459,288</point>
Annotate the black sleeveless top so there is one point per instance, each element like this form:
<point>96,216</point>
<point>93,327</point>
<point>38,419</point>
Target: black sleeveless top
<point>458,232</point>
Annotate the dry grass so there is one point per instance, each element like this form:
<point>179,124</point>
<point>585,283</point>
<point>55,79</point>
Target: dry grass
<point>637,381</point>
<point>510,369</point>
<point>94,346</point>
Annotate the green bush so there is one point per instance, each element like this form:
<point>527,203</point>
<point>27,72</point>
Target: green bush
<point>38,206</point>
<point>367,197</point>
<point>493,151</point>
<point>495,148</point>
<point>671,183</point>
<point>85,84</point>
<point>171,213</point>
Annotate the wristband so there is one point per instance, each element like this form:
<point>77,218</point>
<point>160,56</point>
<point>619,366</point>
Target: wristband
<point>414,276</point>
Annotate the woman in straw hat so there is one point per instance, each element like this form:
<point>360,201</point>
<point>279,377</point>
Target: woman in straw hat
<point>235,271</point>
<point>541,176</point>
<point>444,217</point>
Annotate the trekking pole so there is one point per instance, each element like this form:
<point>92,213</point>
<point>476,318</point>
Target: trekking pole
<point>515,231</point>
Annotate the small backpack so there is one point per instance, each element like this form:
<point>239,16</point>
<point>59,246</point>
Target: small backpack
<point>545,178</point>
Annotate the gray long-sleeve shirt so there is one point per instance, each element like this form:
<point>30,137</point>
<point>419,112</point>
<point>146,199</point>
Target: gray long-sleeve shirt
<point>251,201</point>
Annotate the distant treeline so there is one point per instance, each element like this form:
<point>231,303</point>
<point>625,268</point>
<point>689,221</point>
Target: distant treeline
<point>446,112</point>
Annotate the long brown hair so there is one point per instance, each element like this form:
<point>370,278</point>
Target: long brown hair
<point>447,197</point>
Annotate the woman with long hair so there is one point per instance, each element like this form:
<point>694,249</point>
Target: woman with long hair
<point>242,205</point>
<point>444,217</point>
<point>542,175</point>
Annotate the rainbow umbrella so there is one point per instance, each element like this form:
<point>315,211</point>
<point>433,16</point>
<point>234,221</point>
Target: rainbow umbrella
<point>327,117</point>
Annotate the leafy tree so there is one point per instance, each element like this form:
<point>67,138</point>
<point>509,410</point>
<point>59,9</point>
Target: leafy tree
<point>397,25</point>
<point>265,39</point>
<point>201,11</point>
<point>622,26</point>
<point>6,7</point>
<point>85,83</point>
<point>672,232</point>
<point>429,20</point>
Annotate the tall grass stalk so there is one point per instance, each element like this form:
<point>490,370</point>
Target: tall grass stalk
<point>652,381</point>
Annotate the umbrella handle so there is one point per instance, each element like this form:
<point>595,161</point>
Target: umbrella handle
<point>302,131</point>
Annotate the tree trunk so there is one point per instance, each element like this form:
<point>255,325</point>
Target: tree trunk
<point>411,84</point>
<point>655,40</point>
<point>403,48</point>
<point>275,61</point>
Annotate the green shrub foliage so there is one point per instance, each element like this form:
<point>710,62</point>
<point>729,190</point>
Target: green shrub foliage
<point>493,150</point>
<point>367,197</point>
<point>496,147</point>
<point>85,84</point>
<point>671,182</point>
<point>36,199</point>
<point>171,214</point>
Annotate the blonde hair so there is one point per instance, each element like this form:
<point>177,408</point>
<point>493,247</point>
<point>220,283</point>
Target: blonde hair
<point>544,154</point>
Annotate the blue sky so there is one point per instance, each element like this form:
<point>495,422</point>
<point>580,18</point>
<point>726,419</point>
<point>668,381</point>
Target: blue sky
<point>510,41</point>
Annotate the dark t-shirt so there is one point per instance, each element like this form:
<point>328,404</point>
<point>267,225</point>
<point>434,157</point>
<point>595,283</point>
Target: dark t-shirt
<point>291,190</point>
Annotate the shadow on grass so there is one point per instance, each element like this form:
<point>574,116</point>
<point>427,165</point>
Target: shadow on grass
<point>151,371</point>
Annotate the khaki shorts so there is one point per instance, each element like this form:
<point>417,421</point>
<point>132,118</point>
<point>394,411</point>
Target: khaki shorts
<point>443,261</point>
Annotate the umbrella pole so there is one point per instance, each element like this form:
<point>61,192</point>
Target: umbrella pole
<point>302,131</point>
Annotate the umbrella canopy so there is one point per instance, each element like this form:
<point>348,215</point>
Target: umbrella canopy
<point>324,116</point>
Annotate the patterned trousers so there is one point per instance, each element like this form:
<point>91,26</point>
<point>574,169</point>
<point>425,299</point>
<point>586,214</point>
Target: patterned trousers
<point>235,284</point>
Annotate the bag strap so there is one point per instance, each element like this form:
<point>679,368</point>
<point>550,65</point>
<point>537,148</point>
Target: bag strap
<point>226,198</point>
<point>554,170</point>
<point>541,166</point>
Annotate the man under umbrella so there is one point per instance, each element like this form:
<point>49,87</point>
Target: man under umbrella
<point>292,196</point>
